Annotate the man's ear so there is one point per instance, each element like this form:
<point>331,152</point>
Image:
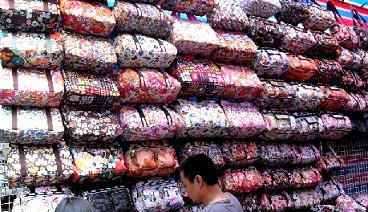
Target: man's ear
<point>198,180</point>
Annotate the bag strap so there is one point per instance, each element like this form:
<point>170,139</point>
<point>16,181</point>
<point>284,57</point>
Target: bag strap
<point>49,119</point>
<point>142,116</point>
<point>136,42</point>
<point>22,160</point>
<point>58,160</point>
<point>167,114</point>
<point>15,79</point>
<point>164,74</point>
<point>49,81</point>
<point>331,7</point>
<point>140,13</point>
<point>141,77</point>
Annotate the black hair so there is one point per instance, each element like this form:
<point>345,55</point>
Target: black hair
<point>201,165</point>
<point>73,204</point>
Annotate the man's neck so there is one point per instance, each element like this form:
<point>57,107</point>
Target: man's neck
<point>214,194</point>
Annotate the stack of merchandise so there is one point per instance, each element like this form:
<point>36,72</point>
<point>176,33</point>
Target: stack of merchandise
<point>123,95</point>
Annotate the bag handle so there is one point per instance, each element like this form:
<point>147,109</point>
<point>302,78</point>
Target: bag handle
<point>331,7</point>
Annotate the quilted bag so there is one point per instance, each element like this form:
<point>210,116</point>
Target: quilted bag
<point>201,119</point>
<point>351,81</point>
<point>241,180</point>
<point>350,60</point>
<point>91,126</point>
<point>157,195</point>
<point>279,201</point>
<point>143,19</point>
<point>240,153</point>
<point>211,149</point>
<point>298,41</point>
<point>347,203</point>
<point>330,190</point>
<point>301,68</point>
<point>329,72</point>
<point>149,122</point>
<point>32,16</point>
<point>30,50</point>
<point>266,33</point>
<point>323,208</point>
<point>228,16</point>
<point>307,154</point>
<point>261,8</point>
<point>292,12</point>
<point>335,98</point>
<point>38,203</point>
<point>327,46</point>
<point>346,36</point>
<point>88,54</point>
<point>86,90</point>
<point>87,18</point>
<point>192,208</point>
<point>244,119</point>
<point>308,127</point>
<point>364,55</point>
<point>31,126</point>
<point>193,37</point>
<point>362,33</point>
<point>200,8</point>
<point>142,51</point>
<point>276,154</point>
<point>304,199</point>
<point>249,203</point>
<point>41,165</point>
<point>271,63</point>
<point>150,159</point>
<point>202,77</point>
<point>139,86</point>
<point>234,48</point>
<point>31,87</point>
<point>110,199</point>
<point>279,126</point>
<point>95,164</point>
<point>319,19</point>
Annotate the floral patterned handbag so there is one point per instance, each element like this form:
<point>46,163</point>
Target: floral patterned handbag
<point>301,68</point>
<point>239,153</point>
<point>309,127</point>
<point>346,36</point>
<point>150,159</point>
<point>157,195</point>
<point>31,50</point>
<point>95,164</point>
<point>153,86</point>
<point>234,48</point>
<point>31,126</point>
<point>279,126</point>
<point>292,12</point>
<point>200,8</point>
<point>304,199</point>
<point>87,18</point>
<point>329,72</point>
<point>149,122</point>
<point>242,180</point>
<point>275,179</point>
<point>211,149</point>
<point>90,91</point>
<point>271,63</point>
<point>266,33</point>
<point>91,126</point>
<point>38,202</point>
<point>202,77</point>
<point>30,16</point>
<point>263,8</point>
<point>31,87</point>
<point>88,54</point>
<point>347,203</point>
<point>193,37</point>
<point>327,46</point>
<point>228,16</point>
<point>319,19</point>
<point>143,19</point>
<point>42,165</point>
<point>330,161</point>
<point>335,98</point>
<point>350,60</point>
<point>335,126</point>
<point>330,190</point>
<point>139,51</point>
<point>297,40</point>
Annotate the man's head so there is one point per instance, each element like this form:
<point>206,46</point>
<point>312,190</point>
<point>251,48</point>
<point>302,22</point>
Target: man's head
<point>198,173</point>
